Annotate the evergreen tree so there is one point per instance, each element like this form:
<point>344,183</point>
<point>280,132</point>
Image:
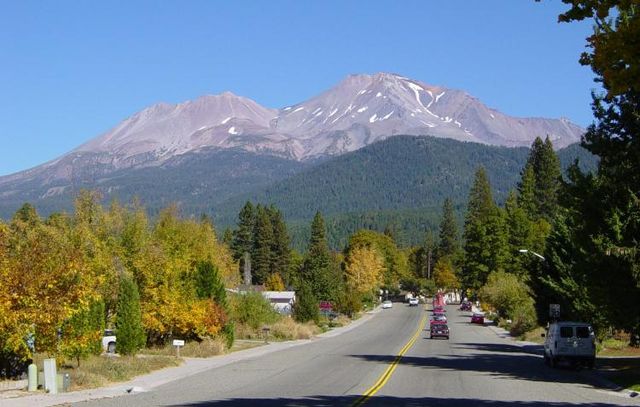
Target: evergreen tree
<point>548,178</point>
<point>227,237</point>
<point>306,307</point>
<point>131,335</point>
<point>263,242</point>
<point>317,269</point>
<point>519,237</point>
<point>527,192</point>
<point>209,284</point>
<point>477,253</point>
<point>601,223</point>
<point>281,251</point>
<point>545,165</point>
<point>448,245</point>
<point>243,236</point>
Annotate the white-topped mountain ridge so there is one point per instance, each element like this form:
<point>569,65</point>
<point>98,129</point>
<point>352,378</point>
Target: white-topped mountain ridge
<point>358,111</point>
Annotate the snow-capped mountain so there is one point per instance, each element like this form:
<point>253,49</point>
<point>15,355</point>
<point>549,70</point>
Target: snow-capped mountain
<point>358,111</point>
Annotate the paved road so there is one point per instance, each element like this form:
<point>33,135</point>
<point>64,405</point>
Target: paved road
<point>474,368</point>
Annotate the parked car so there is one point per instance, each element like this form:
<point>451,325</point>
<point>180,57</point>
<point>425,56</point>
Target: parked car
<point>465,306</point>
<point>387,304</point>
<point>573,342</point>
<point>439,330</point>
<point>413,302</point>
<point>477,318</point>
<point>109,341</point>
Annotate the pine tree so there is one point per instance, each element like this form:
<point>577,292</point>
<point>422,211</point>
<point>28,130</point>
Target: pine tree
<point>281,251</point>
<point>449,245</point>
<point>317,270</point>
<point>261,253</point>
<point>548,178</point>
<point>519,237</point>
<point>243,236</point>
<point>527,192</point>
<point>130,333</point>
<point>477,254</point>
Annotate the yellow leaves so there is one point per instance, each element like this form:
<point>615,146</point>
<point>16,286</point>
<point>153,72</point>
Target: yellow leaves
<point>364,270</point>
<point>274,283</point>
<point>444,276</point>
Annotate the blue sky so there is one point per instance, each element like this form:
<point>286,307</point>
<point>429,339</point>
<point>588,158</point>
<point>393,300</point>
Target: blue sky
<point>69,71</point>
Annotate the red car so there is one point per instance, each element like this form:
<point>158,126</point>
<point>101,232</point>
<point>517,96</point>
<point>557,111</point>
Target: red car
<point>477,318</point>
<point>439,330</point>
<point>438,309</point>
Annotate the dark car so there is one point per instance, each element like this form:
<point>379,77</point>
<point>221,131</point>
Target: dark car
<point>465,306</point>
<point>439,330</point>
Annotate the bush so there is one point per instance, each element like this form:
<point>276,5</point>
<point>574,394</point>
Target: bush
<point>510,297</point>
<point>252,309</point>
<point>288,329</point>
<point>523,318</point>
<point>306,307</point>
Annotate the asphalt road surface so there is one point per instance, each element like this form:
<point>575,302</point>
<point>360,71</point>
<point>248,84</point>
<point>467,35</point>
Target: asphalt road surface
<point>475,367</point>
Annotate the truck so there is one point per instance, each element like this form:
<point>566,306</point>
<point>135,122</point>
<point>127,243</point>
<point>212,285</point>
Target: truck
<point>573,342</point>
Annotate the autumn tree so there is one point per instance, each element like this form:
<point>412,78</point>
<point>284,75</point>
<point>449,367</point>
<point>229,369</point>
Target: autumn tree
<point>444,275</point>
<point>364,270</point>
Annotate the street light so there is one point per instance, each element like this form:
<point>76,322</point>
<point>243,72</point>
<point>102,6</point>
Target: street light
<point>532,252</point>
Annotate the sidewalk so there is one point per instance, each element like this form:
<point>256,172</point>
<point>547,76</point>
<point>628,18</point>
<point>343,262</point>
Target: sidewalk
<point>189,367</point>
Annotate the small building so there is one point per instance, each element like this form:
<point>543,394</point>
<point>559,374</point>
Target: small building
<point>282,301</point>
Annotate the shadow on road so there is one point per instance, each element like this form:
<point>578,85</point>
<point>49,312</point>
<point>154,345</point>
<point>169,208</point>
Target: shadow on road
<point>503,348</point>
<point>325,401</point>
<point>520,366</point>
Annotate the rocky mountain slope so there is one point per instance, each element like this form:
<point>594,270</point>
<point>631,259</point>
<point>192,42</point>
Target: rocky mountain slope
<point>360,110</point>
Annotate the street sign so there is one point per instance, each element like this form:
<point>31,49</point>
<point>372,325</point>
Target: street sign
<point>178,342</point>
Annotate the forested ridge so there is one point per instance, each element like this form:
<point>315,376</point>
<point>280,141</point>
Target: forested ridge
<point>399,183</point>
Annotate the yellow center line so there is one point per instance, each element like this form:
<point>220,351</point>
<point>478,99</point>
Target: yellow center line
<point>389,371</point>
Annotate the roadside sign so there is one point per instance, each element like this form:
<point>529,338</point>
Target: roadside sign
<point>178,342</point>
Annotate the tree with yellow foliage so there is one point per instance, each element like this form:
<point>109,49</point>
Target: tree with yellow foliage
<point>444,276</point>
<point>364,270</point>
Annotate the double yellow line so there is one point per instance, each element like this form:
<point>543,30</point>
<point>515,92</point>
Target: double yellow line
<point>389,371</point>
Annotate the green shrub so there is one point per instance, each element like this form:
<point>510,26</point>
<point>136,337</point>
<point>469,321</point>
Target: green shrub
<point>306,307</point>
<point>252,309</point>
<point>511,298</point>
<point>523,318</point>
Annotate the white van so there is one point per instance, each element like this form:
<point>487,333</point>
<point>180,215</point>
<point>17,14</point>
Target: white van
<point>570,341</point>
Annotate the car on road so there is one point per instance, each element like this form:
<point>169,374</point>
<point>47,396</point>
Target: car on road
<point>477,318</point>
<point>439,330</point>
<point>438,309</point>
<point>573,342</point>
<point>387,304</point>
<point>109,341</point>
<point>438,318</point>
<point>465,306</point>
<point>413,302</point>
